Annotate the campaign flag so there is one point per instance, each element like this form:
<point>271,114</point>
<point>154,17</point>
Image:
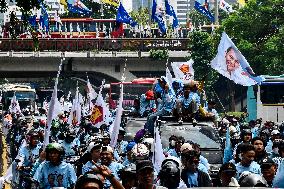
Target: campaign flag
<point>32,20</point>
<point>158,155</point>
<point>53,110</point>
<point>76,111</point>
<point>169,76</point>
<point>171,12</point>
<point>92,95</point>
<point>123,16</point>
<point>228,151</point>
<point>116,124</point>
<point>14,106</point>
<point>202,6</point>
<point>225,6</point>
<point>76,6</point>
<point>232,64</point>
<point>157,16</point>
<point>183,70</point>
<point>111,2</point>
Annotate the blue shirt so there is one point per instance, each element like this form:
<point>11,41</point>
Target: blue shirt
<point>48,175</point>
<point>253,168</point>
<point>191,97</point>
<point>192,179</point>
<point>88,167</point>
<point>69,147</point>
<point>29,156</point>
<point>278,181</point>
<point>204,162</point>
<point>114,167</point>
<point>172,152</point>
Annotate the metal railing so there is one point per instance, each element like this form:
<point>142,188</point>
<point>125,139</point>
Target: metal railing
<point>119,44</point>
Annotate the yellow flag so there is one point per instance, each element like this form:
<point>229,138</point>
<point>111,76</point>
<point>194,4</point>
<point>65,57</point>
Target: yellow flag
<point>242,2</point>
<point>63,2</point>
<point>111,2</point>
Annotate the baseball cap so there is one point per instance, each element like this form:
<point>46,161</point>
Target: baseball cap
<point>266,163</point>
<point>144,164</point>
<point>275,132</point>
<point>228,167</point>
<point>93,145</point>
<point>186,146</point>
<point>107,149</point>
<point>150,95</point>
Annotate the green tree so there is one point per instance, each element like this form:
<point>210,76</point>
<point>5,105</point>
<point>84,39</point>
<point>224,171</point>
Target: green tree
<point>141,16</point>
<point>257,30</point>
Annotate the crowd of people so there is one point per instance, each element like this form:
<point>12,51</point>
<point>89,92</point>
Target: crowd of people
<point>80,156</point>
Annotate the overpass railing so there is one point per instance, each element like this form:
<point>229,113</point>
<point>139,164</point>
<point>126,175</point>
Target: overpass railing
<point>119,44</point>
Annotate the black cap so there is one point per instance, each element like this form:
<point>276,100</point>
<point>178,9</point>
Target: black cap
<point>143,164</point>
<point>266,163</point>
<point>228,167</point>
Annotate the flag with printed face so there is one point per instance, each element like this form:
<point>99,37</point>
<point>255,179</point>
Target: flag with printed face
<point>225,6</point>
<point>202,6</point>
<point>183,70</point>
<point>14,106</point>
<point>232,64</point>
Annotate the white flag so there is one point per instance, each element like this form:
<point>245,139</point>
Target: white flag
<point>232,64</point>
<point>14,106</point>
<point>114,130</point>
<point>78,28</point>
<point>75,114</point>
<point>57,18</point>
<point>169,76</point>
<point>225,6</point>
<point>183,70</point>
<point>91,93</point>
<point>158,156</point>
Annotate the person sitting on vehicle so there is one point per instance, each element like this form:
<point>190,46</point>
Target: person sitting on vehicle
<point>176,151</point>
<point>147,103</point>
<point>54,172</point>
<point>170,174</point>
<point>167,102</point>
<point>191,175</point>
<point>107,159</point>
<point>260,153</point>
<point>178,87</point>
<point>94,149</point>
<point>268,170</point>
<point>247,162</point>
<point>211,113</point>
<point>188,104</point>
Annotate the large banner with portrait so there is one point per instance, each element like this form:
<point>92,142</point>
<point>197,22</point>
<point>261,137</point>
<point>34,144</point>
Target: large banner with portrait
<point>232,64</point>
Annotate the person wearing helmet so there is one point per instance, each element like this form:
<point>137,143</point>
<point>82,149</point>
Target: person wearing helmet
<point>260,153</point>
<point>247,162</point>
<point>107,159</point>
<point>54,172</point>
<point>169,175</point>
<point>128,176</point>
<point>95,150</point>
<point>227,175</point>
<point>248,179</point>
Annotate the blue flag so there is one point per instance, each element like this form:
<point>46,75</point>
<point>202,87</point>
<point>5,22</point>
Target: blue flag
<point>157,16</point>
<point>228,151</point>
<point>76,6</point>
<point>123,16</point>
<point>204,9</point>
<point>32,20</point>
<point>44,20</point>
<point>170,11</point>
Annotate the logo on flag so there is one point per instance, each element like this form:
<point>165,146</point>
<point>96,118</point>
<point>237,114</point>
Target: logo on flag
<point>183,70</point>
<point>97,114</point>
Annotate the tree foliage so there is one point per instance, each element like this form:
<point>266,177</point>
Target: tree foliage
<point>141,16</point>
<point>257,30</point>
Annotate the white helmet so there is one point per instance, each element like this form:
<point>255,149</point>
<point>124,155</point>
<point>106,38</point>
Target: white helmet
<point>140,150</point>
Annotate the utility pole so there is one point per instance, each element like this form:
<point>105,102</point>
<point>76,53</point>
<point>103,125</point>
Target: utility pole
<point>216,12</point>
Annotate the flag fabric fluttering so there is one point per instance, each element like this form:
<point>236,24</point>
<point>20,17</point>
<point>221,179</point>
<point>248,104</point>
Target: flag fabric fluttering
<point>54,108</point>
<point>158,155</point>
<point>76,111</point>
<point>14,106</point>
<point>32,20</point>
<point>123,16</point>
<point>44,20</point>
<point>232,64</point>
<point>92,95</point>
<point>202,6</point>
<point>171,12</point>
<point>169,76</point>
<point>76,6</point>
<point>157,16</point>
<point>111,2</point>
<point>228,151</point>
<point>183,70</point>
<point>57,18</point>
<point>225,6</point>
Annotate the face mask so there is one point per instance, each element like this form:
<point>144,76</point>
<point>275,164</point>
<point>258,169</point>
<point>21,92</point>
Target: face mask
<point>172,142</point>
<point>275,150</point>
